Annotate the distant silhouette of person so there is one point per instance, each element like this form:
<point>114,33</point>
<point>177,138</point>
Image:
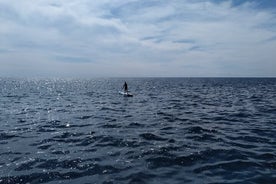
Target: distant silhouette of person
<point>125,87</point>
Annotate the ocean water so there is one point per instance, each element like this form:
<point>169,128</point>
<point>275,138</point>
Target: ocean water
<point>174,130</point>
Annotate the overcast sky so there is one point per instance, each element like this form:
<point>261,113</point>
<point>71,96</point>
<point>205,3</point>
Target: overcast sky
<point>138,38</point>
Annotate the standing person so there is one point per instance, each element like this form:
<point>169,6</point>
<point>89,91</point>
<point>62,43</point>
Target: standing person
<point>125,87</point>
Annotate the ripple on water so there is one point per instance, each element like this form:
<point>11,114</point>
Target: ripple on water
<point>172,131</point>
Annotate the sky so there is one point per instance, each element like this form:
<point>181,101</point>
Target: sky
<point>138,38</point>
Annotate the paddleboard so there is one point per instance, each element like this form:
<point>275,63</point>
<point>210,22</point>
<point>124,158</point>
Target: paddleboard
<point>127,94</point>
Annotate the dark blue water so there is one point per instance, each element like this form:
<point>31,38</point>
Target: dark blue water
<point>199,130</point>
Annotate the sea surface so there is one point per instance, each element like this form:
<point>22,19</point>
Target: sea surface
<point>173,131</point>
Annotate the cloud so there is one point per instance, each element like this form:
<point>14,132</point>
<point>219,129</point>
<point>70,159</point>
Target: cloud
<point>138,37</point>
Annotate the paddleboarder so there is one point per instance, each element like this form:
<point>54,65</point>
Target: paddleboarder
<point>125,87</point>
